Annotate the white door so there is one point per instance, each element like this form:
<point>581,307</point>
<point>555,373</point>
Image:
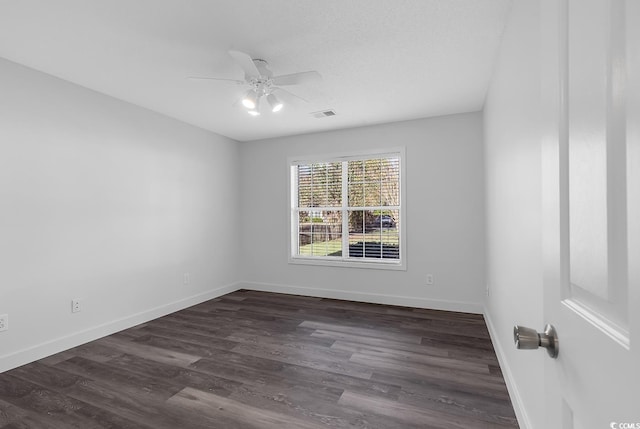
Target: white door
<point>591,210</point>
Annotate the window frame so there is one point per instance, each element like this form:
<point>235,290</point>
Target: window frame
<point>335,261</point>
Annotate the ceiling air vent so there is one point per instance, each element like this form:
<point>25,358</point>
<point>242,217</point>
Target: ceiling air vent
<point>323,113</point>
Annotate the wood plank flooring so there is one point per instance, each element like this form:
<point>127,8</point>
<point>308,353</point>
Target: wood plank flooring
<point>262,360</point>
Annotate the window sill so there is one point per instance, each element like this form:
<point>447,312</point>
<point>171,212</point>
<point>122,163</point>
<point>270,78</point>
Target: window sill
<point>349,263</point>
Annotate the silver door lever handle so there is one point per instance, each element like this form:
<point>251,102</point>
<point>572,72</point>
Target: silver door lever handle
<point>528,339</point>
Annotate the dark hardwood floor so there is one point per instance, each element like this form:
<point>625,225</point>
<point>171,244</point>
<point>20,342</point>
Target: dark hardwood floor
<point>263,360</point>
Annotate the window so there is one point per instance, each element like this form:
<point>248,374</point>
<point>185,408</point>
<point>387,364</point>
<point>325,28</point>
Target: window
<point>347,210</point>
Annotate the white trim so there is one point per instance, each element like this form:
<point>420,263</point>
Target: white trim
<point>346,156</point>
<point>374,298</point>
<point>332,261</point>
<point>48,348</point>
<point>345,209</point>
<point>516,400</point>
<point>292,197</point>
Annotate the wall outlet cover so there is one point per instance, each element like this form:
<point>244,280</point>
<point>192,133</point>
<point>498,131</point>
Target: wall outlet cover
<point>4,322</point>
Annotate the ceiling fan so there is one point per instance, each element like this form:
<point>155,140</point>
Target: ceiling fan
<point>263,84</point>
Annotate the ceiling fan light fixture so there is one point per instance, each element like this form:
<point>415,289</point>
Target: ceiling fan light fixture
<point>259,82</point>
<point>250,100</point>
<point>276,105</point>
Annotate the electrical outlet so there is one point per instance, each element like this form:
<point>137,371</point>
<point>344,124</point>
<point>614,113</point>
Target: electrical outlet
<point>75,306</point>
<point>186,278</point>
<point>4,322</point>
<point>429,279</point>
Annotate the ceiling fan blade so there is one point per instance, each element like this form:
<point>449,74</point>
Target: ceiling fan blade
<point>297,78</point>
<point>239,82</point>
<point>245,61</point>
<point>288,96</point>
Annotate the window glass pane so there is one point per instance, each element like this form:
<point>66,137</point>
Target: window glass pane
<point>356,233</point>
<point>372,194</point>
<point>356,171</point>
<point>372,170</point>
<point>333,237</point>
<point>374,234</point>
<point>390,182</point>
<point>356,221</point>
<point>304,233</point>
<point>391,251</point>
<point>306,248</point>
<point>304,186</point>
<point>320,234</point>
<point>304,196</point>
<point>334,185</point>
<point>356,194</point>
<point>371,222</point>
<point>372,240</point>
<point>390,169</point>
<point>320,185</point>
<point>390,233</point>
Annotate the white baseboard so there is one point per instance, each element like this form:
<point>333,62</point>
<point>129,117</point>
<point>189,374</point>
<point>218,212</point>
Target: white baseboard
<point>516,399</point>
<point>406,301</point>
<point>22,357</point>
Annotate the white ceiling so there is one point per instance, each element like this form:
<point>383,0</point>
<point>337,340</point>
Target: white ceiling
<point>381,60</point>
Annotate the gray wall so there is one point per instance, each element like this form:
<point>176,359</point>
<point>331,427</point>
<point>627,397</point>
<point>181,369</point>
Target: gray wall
<point>514,211</point>
<point>444,220</point>
<point>106,202</point>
